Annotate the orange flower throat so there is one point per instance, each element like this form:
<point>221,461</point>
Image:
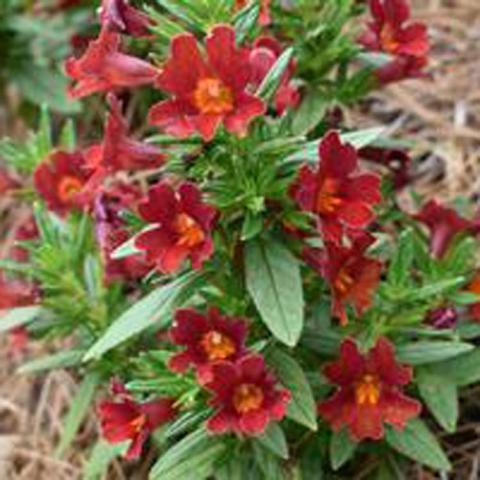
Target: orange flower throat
<point>68,186</point>
<point>247,398</point>
<point>189,231</point>
<point>217,346</point>
<point>367,391</point>
<point>387,38</point>
<point>328,198</point>
<point>212,97</point>
<point>343,282</point>
<point>138,423</point>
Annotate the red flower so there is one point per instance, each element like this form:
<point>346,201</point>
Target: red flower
<point>264,54</point>
<point>474,287</point>
<point>208,339</point>
<point>7,182</point>
<point>341,198</point>
<point>121,17</point>
<point>125,419</point>
<point>245,396</point>
<point>60,179</point>
<point>118,151</point>
<point>16,293</point>
<point>444,224</point>
<point>26,231</point>
<point>352,276</point>
<point>408,44</point>
<point>206,92</point>
<point>264,18</point>
<point>104,68</point>
<point>111,232</point>
<point>17,341</point>
<point>369,393</point>
<point>182,230</point>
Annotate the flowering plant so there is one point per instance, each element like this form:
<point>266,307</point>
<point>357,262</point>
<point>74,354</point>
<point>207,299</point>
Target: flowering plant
<point>242,274</point>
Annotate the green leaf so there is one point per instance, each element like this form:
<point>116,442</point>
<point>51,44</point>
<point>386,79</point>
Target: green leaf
<point>101,456</point>
<point>274,282</point>
<point>267,463</point>
<point>310,113</point>
<point>17,317</point>
<point>65,359</point>
<point>245,21</point>
<point>274,440</point>
<point>272,80</point>
<point>126,249</point>
<point>302,407</point>
<point>418,443</point>
<point>252,226</point>
<point>423,352</point>
<point>399,270</point>
<point>432,289</point>
<point>68,139</point>
<point>342,448</point>
<point>78,410</point>
<point>157,306</point>
<point>440,395</point>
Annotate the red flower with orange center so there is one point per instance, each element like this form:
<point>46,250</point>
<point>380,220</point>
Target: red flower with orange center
<point>60,179</point>
<point>104,68</point>
<point>207,339</point>
<point>341,198</point>
<point>369,393</point>
<point>124,419</point>
<point>353,277</point>
<point>245,396</point>
<point>206,92</point>
<point>182,226</point>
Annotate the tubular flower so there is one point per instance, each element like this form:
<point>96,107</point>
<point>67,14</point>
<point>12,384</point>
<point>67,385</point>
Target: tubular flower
<point>369,393</point>
<point>445,224</point>
<point>352,276</point>
<point>121,17</point>
<point>206,92</point>
<point>182,227</point>
<point>390,33</point>
<point>264,54</point>
<point>207,339</point>
<point>245,396</point>
<point>61,179</point>
<point>104,68</point>
<point>111,232</point>
<point>341,198</point>
<point>118,151</point>
<point>124,419</point>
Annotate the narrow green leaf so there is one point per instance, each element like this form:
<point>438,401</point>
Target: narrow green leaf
<point>101,456</point>
<point>66,359</point>
<point>272,80</point>
<point>274,282</point>
<point>399,270</point>
<point>418,443</point>
<point>68,138</point>
<point>302,407</point>
<point>423,352</point>
<point>310,113</point>
<point>78,410</point>
<point>342,448</point>
<point>252,226</point>
<point>274,439</point>
<point>17,317</point>
<point>126,249</point>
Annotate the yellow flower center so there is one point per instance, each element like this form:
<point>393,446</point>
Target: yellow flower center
<point>189,232</point>
<point>247,397</point>
<point>367,391</point>
<point>327,197</point>
<point>343,282</point>
<point>68,187</point>
<point>212,97</point>
<point>217,346</point>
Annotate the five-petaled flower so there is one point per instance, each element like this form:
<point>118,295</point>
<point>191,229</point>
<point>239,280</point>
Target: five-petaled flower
<point>445,225</point>
<point>207,339</point>
<point>369,393</point>
<point>121,17</point>
<point>352,276</point>
<point>390,33</point>
<point>118,151</point>
<point>125,419</point>
<point>181,229</point>
<point>104,68</point>
<point>60,180</point>
<point>341,198</point>
<point>206,92</point>
<point>246,397</point>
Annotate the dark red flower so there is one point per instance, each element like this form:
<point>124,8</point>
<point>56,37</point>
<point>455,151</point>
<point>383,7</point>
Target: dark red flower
<point>118,151</point>
<point>182,229</point>
<point>401,68</point>
<point>206,92</point>
<point>445,224</point>
<point>474,287</point>
<point>441,318</point>
<point>60,179</point>
<point>397,163</point>
<point>207,339</point>
<point>264,18</point>
<point>104,68</point>
<point>16,293</point>
<point>352,276</point>
<point>264,54</point>
<point>111,232</point>
<point>124,419</point>
<point>121,17</point>
<point>369,393</point>
<point>26,231</point>
<point>245,397</point>
<point>341,198</point>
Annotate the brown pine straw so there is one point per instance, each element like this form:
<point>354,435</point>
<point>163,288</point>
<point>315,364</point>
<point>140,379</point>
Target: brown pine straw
<point>441,115</point>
